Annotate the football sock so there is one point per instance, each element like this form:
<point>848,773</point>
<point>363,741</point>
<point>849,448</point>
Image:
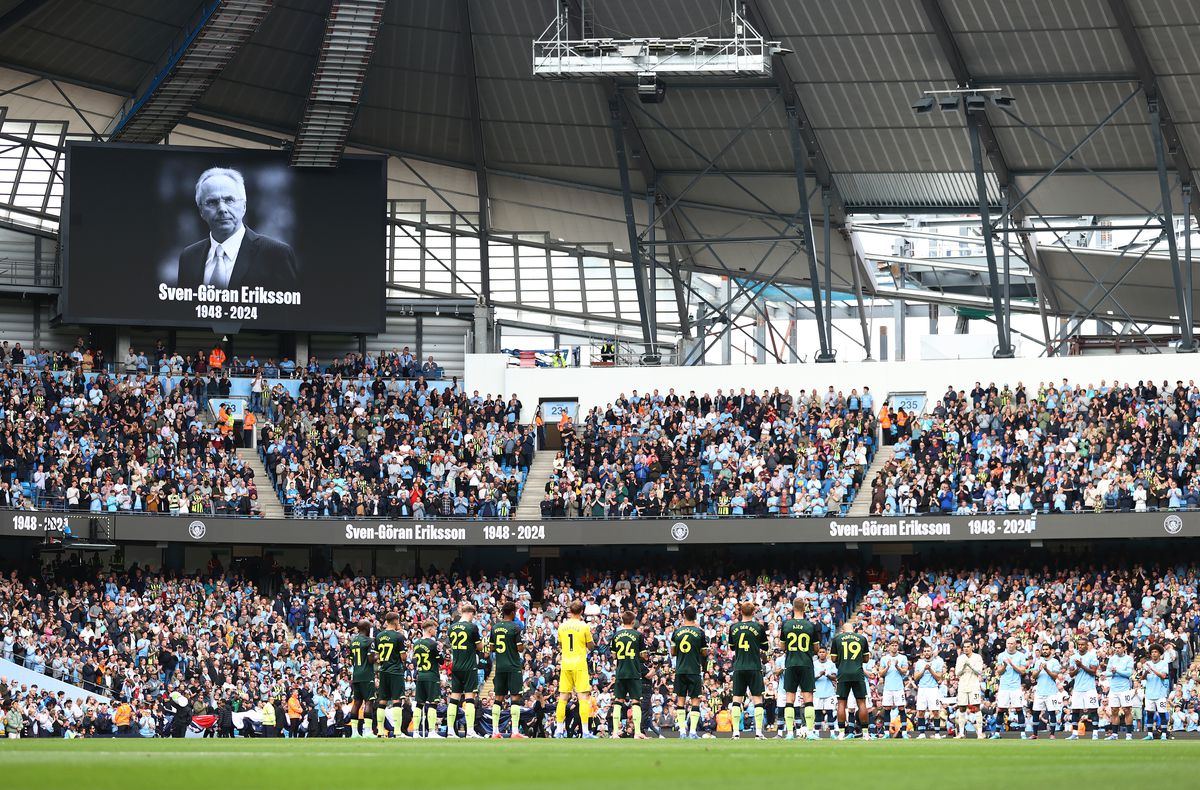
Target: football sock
<point>451,717</point>
<point>514,714</point>
<point>470,711</point>
<point>397,720</point>
<point>681,721</point>
<point>560,711</point>
<point>637,718</point>
<point>921,726</point>
<point>789,719</point>
<point>584,715</point>
<point>758,719</point>
<point>616,720</point>
<point>380,720</point>
<point>359,723</point>
<point>694,718</point>
<point>735,711</point>
<point>431,720</point>
<point>1021,719</point>
<point>495,717</point>
<point>809,716</point>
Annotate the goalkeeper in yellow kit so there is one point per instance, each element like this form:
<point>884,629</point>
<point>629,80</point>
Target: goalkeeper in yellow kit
<point>574,640</point>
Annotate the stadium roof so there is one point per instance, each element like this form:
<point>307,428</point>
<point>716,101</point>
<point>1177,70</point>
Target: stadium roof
<point>854,69</point>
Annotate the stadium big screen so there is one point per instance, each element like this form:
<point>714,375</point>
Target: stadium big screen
<point>222,238</point>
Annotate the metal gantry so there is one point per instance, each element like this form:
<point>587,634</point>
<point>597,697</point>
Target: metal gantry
<point>187,69</point>
<point>350,31</point>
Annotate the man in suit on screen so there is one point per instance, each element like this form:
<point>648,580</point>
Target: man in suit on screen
<point>233,255</point>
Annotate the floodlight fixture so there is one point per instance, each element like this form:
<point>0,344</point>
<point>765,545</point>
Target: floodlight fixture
<point>976,103</point>
<point>948,103</point>
<point>923,105</point>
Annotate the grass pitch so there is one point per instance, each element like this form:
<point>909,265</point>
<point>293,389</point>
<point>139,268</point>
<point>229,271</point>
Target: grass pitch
<point>366,765</point>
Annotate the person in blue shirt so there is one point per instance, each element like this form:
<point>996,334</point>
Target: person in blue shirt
<point>1120,692</point>
<point>1085,703</point>
<point>894,667</point>
<point>824,691</point>
<point>324,708</point>
<point>1010,668</point>
<point>1047,702</point>
<point>1158,686</point>
<point>929,671</point>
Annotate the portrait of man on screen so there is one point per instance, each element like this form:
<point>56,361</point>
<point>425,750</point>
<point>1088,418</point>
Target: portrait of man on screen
<point>233,255</point>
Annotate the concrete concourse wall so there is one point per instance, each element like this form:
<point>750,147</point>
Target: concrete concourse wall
<point>489,373</point>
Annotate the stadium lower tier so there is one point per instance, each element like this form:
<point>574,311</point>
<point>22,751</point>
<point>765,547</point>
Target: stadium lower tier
<point>959,642</point>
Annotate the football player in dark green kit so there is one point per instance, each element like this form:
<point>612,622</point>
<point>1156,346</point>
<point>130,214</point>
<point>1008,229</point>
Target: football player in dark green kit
<point>798,638</point>
<point>362,677</point>
<point>389,646</point>
<point>850,651</point>
<point>465,646</point>
<point>689,647</point>
<point>629,651</point>
<point>426,657</point>
<point>748,639</point>
<point>507,649</point>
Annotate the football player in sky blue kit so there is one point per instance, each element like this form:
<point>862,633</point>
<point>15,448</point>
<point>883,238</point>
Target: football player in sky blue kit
<point>1010,667</point>
<point>1120,691</point>
<point>1158,685</point>
<point>894,666</point>
<point>929,671</point>
<point>1047,701</point>
<point>824,691</point>
<point>1085,703</point>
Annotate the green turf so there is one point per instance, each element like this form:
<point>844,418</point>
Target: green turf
<point>611,765</point>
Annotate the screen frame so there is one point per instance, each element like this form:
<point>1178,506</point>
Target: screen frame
<point>223,326</point>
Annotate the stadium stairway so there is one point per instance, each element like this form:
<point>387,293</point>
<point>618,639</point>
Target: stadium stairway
<point>530,506</point>
<point>861,506</point>
<point>268,499</point>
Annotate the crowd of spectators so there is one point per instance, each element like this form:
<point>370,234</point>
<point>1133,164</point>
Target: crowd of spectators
<point>1064,448</point>
<point>372,446</point>
<point>227,643</point>
<point>725,455</point>
<point>78,434</point>
<point>117,443</point>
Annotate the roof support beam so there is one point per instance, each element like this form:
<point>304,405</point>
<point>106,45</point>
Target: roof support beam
<point>477,142</point>
<point>791,100</point>
<point>187,69</point>
<point>635,250</point>
<point>1187,344</point>
<point>19,13</point>
<point>1149,81</point>
<point>332,105</point>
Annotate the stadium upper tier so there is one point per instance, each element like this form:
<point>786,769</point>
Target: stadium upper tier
<point>1061,447</point>
<point>346,444</point>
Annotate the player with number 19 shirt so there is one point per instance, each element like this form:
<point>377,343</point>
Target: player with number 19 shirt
<point>851,651</point>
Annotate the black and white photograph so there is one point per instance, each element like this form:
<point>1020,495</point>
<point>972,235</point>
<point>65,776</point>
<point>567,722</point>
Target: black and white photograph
<point>225,239</point>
